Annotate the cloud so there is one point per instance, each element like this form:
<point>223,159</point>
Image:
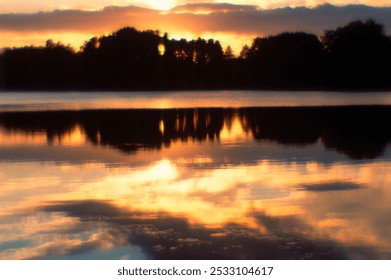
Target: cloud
<point>314,20</point>
<point>74,20</point>
<point>23,6</point>
<point>231,24</point>
<point>221,18</point>
<point>212,8</point>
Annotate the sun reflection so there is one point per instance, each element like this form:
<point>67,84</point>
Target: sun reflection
<point>234,130</point>
<point>98,137</point>
<point>216,197</point>
<point>161,171</point>
<point>161,127</point>
<point>200,184</point>
<point>74,137</point>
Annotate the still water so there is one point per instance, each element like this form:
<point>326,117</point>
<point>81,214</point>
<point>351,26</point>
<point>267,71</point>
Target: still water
<point>33,101</point>
<point>195,183</point>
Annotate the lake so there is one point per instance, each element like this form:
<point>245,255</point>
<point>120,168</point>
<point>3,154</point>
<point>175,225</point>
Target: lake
<point>195,175</point>
<point>33,101</point>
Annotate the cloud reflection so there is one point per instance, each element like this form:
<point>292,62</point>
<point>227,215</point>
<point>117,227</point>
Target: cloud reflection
<point>53,235</point>
<point>331,186</point>
<point>167,237</point>
<point>238,212</point>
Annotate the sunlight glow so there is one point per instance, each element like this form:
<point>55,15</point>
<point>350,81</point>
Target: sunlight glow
<point>162,5</point>
<point>234,131</point>
<point>76,136</point>
<point>161,127</point>
<point>162,49</point>
<point>162,171</point>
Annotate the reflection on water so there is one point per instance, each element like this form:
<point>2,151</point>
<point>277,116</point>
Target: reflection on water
<point>250,183</point>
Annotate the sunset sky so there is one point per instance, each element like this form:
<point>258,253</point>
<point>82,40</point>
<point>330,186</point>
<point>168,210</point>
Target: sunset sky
<point>27,22</point>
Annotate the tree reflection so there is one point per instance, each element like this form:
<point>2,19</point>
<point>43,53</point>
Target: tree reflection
<point>356,131</point>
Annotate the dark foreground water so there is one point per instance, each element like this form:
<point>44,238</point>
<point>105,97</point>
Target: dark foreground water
<point>244,183</point>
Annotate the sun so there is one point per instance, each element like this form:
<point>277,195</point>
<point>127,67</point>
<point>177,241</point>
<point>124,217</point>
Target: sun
<point>162,5</point>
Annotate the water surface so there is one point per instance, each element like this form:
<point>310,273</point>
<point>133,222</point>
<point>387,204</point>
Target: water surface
<point>207,183</point>
<point>28,101</point>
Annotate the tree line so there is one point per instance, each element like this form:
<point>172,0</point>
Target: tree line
<point>352,57</point>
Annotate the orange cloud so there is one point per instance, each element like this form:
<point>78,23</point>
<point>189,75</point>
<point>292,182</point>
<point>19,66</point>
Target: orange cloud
<point>221,20</point>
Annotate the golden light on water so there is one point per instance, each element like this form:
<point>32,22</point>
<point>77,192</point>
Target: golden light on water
<point>234,130</point>
<point>208,185</point>
<point>15,138</point>
<point>75,137</point>
<point>211,197</point>
<point>161,127</point>
<point>162,171</point>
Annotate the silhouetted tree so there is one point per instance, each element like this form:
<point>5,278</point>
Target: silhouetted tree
<point>244,54</point>
<point>228,53</point>
<point>285,60</point>
<point>358,55</point>
<point>48,67</point>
